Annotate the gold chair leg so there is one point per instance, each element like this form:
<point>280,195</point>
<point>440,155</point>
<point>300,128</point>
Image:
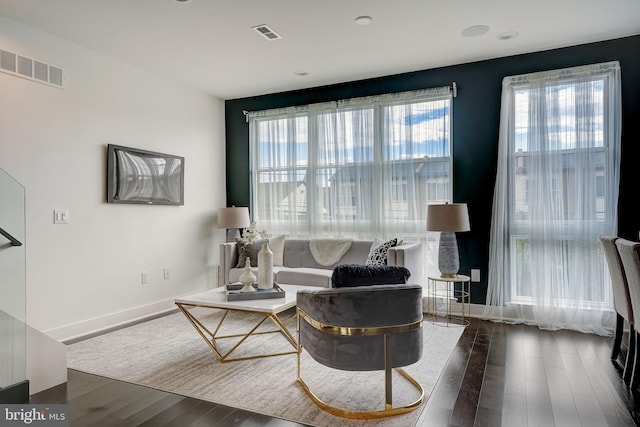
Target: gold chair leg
<point>388,411</point>
<point>367,415</point>
<point>388,389</point>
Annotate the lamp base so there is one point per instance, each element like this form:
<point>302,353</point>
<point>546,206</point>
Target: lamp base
<point>448,261</point>
<point>233,234</point>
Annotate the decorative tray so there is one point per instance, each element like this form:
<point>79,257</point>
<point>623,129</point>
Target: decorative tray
<point>234,294</point>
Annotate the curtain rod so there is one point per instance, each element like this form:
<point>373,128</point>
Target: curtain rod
<point>453,86</point>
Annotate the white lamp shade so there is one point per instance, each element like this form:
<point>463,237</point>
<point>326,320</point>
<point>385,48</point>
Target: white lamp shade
<point>234,217</point>
<point>450,217</point>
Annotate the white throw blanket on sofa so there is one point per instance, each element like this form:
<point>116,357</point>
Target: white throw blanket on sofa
<point>329,251</point>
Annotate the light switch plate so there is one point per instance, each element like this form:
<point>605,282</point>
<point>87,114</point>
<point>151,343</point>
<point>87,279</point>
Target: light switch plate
<point>60,216</point>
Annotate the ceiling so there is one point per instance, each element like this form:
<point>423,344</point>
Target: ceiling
<point>210,44</point>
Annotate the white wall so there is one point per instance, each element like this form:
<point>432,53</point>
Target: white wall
<point>12,258</point>
<point>85,275</point>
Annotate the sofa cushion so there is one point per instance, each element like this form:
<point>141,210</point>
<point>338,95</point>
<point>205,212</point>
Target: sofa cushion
<point>277,247</point>
<point>350,275</point>
<point>378,252</point>
<point>297,253</point>
<point>305,276</point>
<point>248,250</point>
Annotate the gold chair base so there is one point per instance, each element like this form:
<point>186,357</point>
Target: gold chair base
<point>389,410</point>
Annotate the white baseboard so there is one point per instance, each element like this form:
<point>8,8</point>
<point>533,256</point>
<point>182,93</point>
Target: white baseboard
<point>84,329</point>
<point>471,310</point>
<point>98,325</point>
<point>507,314</point>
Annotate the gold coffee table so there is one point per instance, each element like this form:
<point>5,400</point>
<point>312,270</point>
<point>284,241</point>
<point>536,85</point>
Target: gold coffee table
<point>265,308</point>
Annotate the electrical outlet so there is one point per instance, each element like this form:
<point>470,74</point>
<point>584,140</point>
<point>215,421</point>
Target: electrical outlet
<point>144,278</point>
<point>475,275</point>
<point>167,273</point>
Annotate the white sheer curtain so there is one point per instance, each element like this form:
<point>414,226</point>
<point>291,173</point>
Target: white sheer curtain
<point>556,192</point>
<point>360,168</point>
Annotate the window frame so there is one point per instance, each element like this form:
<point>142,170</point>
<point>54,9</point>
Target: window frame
<point>313,166</point>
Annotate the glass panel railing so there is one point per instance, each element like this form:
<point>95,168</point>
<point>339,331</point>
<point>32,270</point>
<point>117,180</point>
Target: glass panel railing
<point>12,282</point>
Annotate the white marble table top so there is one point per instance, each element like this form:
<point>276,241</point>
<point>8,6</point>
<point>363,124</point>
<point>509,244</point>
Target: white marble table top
<point>216,298</point>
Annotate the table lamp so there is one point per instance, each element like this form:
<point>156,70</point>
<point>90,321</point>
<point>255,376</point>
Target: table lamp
<point>233,219</point>
<point>448,218</point>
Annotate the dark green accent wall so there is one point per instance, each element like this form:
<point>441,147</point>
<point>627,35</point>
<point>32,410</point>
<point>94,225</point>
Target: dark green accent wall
<point>476,113</point>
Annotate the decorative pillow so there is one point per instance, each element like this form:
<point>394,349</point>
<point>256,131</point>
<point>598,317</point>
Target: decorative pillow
<point>378,252</point>
<point>277,247</point>
<point>248,250</point>
<point>349,275</point>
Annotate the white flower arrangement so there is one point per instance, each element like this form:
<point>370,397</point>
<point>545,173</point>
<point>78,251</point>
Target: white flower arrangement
<point>252,233</point>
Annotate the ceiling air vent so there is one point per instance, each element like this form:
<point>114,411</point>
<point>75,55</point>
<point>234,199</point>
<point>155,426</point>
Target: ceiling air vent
<point>38,71</point>
<point>266,32</point>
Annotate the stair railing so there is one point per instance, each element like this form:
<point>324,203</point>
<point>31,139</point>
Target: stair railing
<point>12,240</point>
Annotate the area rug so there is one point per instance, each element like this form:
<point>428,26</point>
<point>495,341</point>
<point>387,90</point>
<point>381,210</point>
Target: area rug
<point>168,354</point>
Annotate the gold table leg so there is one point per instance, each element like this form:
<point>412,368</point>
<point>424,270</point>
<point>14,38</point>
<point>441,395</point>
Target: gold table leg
<point>213,337</point>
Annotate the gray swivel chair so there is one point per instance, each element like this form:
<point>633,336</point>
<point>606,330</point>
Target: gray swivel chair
<point>364,328</point>
<point>630,255</point>
<point>622,305</point>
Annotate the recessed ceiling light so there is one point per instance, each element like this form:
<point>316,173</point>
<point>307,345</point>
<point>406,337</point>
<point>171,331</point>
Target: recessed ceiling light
<point>301,73</point>
<point>475,31</point>
<point>507,35</point>
<point>183,1</point>
<point>363,20</point>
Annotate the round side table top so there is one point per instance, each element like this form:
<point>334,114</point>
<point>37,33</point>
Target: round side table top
<point>457,278</point>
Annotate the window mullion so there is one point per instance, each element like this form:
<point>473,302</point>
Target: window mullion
<point>377,169</point>
<point>313,221</point>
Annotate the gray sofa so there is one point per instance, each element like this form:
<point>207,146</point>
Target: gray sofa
<point>299,267</point>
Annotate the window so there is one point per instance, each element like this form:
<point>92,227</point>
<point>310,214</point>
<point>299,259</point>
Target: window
<point>556,192</point>
<point>360,167</point>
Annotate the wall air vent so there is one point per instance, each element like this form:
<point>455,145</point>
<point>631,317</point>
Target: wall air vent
<point>8,61</point>
<point>266,32</point>
<point>28,68</point>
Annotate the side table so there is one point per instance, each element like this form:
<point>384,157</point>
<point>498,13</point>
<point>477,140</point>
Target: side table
<point>449,293</point>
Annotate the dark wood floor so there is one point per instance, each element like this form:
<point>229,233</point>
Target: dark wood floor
<point>498,375</point>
